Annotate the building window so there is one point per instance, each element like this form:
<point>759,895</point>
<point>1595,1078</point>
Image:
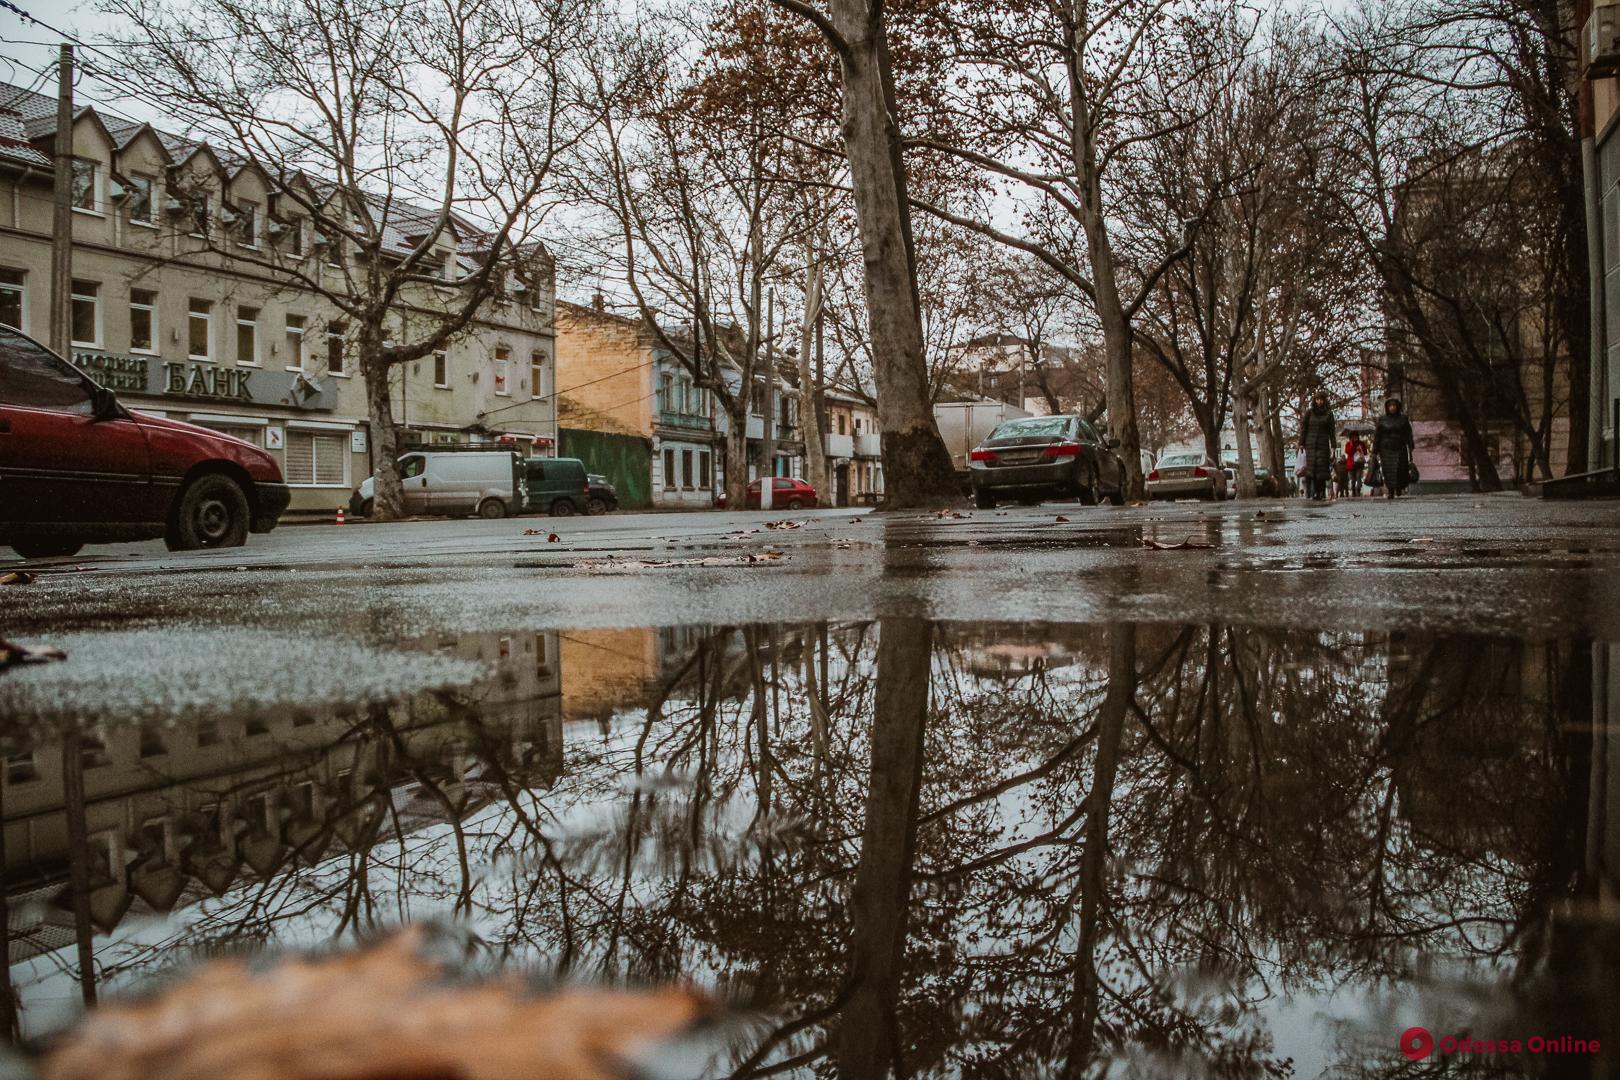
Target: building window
<point>537,375</point>
<point>86,313</point>
<point>317,459</point>
<point>295,237</point>
<point>295,343</point>
<point>207,733</point>
<point>503,361</point>
<point>441,370</point>
<point>20,768</point>
<point>686,469</point>
<point>669,470</point>
<point>542,663</point>
<point>199,329</point>
<point>666,392</point>
<point>11,298</point>
<point>840,423</point>
<point>142,320</point>
<point>247,336</point>
<point>705,476</point>
<point>139,201</point>
<point>254,435</point>
<point>247,224</point>
<point>335,333</point>
<point>153,742</point>
<point>84,184</point>
<point>199,213</point>
<point>93,751</point>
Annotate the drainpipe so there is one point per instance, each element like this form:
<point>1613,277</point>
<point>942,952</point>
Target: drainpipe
<point>1591,180</point>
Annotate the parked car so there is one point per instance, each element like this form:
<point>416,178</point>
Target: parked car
<point>603,497</point>
<point>1186,475</point>
<point>1037,456</point>
<point>77,467</point>
<point>787,493</point>
<point>489,483</point>
<point>557,486</point>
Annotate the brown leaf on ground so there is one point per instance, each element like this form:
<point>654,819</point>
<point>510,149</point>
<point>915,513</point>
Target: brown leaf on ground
<point>856,521</point>
<point>1062,519</point>
<point>784,524</point>
<point>1189,543</point>
<point>11,653</point>
<point>17,577</point>
<point>947,514</point>
<point>1421,540</point>
<point>386,1013</point>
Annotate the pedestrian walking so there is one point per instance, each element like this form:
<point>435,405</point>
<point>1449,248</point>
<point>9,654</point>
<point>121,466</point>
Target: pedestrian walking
<point>1317,434</point>
<point>1393,446</point>
<point>1355,455</point>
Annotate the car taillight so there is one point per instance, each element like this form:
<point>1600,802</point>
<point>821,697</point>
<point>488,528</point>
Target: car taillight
<point>1200,472</point>
<point>1061,450</point>
<point>983,455</point>
<point>1154,475</point>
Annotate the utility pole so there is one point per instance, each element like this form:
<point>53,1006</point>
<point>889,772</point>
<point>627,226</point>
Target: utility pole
<point>62,213</point>
<point>767,447</point>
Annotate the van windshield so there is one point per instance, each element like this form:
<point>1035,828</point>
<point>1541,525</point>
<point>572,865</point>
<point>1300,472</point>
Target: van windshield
<point>411,466</point>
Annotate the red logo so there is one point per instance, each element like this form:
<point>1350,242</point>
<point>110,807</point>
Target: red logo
<point>1417,1043</point>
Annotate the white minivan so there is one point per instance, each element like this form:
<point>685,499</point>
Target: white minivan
<point>489,483</point>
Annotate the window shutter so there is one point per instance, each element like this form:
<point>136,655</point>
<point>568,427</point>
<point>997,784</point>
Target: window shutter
<point>300,464</point>
<point>329,451</point>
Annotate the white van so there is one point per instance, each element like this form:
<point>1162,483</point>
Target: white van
<point>489,483</point>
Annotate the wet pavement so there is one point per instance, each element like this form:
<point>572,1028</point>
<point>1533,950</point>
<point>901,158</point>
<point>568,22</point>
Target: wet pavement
<point>981,795</point>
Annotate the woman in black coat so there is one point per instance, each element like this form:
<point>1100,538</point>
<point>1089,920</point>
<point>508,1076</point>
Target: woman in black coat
<point>1317,437</point>
<point>1392,446</point>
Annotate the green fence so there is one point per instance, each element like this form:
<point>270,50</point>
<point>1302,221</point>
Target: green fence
<point>626,460</point>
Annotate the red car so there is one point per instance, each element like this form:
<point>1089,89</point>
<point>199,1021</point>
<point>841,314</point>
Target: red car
<point>787,494</point>
<point>76,467</point>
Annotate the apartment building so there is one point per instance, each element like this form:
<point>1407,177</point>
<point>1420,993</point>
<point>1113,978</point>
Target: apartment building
<point>186,301</point>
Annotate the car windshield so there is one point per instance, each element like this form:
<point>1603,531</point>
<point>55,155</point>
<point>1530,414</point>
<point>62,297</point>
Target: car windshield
<point>1171,460</point>
<point>1032,426</point>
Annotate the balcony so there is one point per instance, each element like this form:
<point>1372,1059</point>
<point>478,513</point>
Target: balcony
<point>869,445</point>
<point>691,421</point>
<point>840,446</point>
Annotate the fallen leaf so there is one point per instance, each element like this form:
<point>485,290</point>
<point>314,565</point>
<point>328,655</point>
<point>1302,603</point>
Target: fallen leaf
<point>386,1011</point>
<point>1062,519</point>
<point>1160,545</point>
<point>1421,540</point>
<point>17,577</point>
<point>947,513</point>
<point>11,653</point>
<point>534,532</point>
<point>783,524</point>
<point>855,521</point>
<point>552,538</point>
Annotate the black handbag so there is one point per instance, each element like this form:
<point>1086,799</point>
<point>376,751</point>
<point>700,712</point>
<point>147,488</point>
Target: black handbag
<point>1412,474</point>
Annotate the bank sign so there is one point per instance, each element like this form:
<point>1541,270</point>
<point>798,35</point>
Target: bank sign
<point>152,376</point>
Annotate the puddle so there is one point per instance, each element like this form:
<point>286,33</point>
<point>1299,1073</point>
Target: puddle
<point>967,849</point>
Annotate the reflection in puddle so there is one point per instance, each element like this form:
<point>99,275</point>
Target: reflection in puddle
<point>902,846</point>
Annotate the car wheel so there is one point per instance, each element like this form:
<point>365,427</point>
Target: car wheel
<point>1090,489</point>
<point>367,507</point>
<point>42,547</point>
<point>492,509</point>
<point>213,513</point>
<point>562,508</point>
<point>795,504</point>
<point>1117,496</point>
<point>594,505</point>
<point>984,500</point>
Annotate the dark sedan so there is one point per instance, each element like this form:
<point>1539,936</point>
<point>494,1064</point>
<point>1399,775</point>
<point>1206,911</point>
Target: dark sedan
<point>1039,456</point>
<point>603,497</point>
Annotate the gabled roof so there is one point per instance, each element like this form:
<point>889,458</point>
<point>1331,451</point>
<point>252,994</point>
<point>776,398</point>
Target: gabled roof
<point>14,144</point>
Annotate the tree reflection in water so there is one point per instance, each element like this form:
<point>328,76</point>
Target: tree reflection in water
<point>928,849</point>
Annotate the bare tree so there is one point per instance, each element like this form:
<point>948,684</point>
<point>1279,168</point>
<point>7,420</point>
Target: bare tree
<point>406,142</point>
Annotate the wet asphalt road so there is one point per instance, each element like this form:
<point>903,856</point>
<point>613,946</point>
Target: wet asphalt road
<point>148,630</point>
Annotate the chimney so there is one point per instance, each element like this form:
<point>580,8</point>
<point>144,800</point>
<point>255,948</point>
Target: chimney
<point>599,302</point>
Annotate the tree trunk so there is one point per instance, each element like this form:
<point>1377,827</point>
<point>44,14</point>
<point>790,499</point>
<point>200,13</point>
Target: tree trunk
<point>868,1041</point>
<point>737,454</point>
<point>1242,402</point>
<point>1117,348</point>
<point>815,448</point>
<point>388,494</point>
<point>916,466</point>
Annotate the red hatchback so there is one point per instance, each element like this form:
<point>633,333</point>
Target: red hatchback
<point>76,467</point>
<point>787,493</point>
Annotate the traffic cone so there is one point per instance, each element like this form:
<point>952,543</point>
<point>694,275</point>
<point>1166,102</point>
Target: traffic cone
<point>340,515</point>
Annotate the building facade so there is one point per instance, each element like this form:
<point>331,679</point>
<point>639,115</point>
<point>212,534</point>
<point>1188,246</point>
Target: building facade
<point>854,450</point>
<point>187,303</point>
